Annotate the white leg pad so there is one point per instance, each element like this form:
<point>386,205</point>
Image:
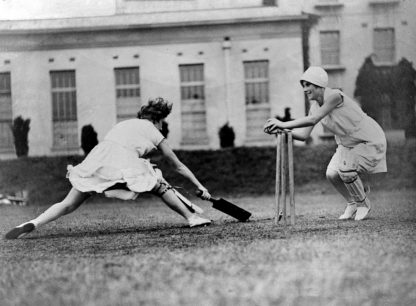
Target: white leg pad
<point>353,184</point>
<point>191,206</point>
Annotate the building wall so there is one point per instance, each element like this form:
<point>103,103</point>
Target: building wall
<point>158,57</point>
<point>31,49</point>
<point>355,20</point>
<point>137,6</point>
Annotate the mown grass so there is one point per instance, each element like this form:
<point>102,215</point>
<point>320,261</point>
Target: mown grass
<point>140,253</point>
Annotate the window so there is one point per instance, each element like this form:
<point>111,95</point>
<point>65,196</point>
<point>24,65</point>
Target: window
<point>127,92</point>
<point>330,47</point>
<point>6,115</point>
<point>193,112</point>
<point>383,43</point>
<point>256,82</point>
<point>64,110</point>
<point>269,2</point>
<point>256,76</point>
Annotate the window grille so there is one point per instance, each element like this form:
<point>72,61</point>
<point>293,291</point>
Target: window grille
<point>64,109</point>
<point>193,110</point>
<point>330,47</point>
<point>6,114</point>
<point>256,75</point>
<point>128,94</point>
<point>384,45</point>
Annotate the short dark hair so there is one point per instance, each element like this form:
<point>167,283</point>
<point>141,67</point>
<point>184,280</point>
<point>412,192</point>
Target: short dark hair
<point>155,109</point>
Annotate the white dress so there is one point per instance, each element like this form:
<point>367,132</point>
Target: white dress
<point>361,140</point>
<point>119,159</point>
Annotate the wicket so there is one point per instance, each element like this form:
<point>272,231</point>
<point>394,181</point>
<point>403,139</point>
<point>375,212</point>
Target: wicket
<point>284,177</point>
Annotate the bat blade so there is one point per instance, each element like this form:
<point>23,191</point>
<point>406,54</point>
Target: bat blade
<point>230,209</point>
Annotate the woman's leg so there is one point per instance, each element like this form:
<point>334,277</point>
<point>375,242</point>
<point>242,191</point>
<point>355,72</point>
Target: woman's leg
<point>171,200</point>
<point>72,201</point>
<point>334,178</point>
<point>338,183</point>
<point>166,193</point>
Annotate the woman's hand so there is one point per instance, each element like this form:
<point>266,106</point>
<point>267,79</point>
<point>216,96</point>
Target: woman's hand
<point>205,195</point>
<point>273,126</point>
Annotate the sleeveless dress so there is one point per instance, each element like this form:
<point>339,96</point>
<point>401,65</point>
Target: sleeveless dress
<point>119,159</point>
<point>360,139</point>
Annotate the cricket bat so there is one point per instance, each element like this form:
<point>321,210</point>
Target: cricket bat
<point>228,208</point>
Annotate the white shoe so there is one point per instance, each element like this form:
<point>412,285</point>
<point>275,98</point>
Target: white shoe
<point>195,220</point>
<point>363,211</point>
<point>349,212</point>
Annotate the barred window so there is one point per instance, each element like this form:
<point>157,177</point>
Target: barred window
<point>192,81</point>
<point>330,47</point>
<point>64,109</point>
<point>193,112</point>
<point>384,45</point>
<point>127,92</point>
<point>6,115</point>
<point>256,75</point>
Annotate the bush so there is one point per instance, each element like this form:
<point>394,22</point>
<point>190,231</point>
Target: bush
<point>88,138</point>
<point>389,90</point>
<point>241,170</point>
<point>165,129</point>
<point>20,129</point>
<point>227,136</point>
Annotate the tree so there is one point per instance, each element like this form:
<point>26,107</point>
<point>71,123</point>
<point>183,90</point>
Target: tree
<point>20,129</point>
<point>227,136</point>
<point>88,138</point>
<point>388,94</point>
<point>405,92</point>
<point>367,88</point>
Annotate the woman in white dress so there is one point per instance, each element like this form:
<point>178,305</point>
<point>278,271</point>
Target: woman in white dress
<point>119,160</point>
<point>361,141</point>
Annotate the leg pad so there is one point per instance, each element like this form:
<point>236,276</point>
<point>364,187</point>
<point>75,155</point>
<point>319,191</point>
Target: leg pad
<point>353,184</point>
<point>161,187</point>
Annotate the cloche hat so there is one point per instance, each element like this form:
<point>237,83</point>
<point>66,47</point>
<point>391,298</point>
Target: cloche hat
<point>315,75</point>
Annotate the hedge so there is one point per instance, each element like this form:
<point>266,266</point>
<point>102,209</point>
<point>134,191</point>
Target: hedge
<point>242,170</point>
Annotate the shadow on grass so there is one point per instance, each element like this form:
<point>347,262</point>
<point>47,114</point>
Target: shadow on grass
<point>219,231</point>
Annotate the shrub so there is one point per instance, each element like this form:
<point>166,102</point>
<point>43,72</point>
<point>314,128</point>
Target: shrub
<point>165,129</point>
<point>20,129</point>
<point>227,136</point>
<point>389,90</point>
<point>240,170</point>
<point>88,138</point>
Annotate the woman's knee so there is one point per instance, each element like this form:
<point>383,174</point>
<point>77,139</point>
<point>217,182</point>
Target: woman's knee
<point>73,200</point>
<point>332,175</point>
<point>161,187</point>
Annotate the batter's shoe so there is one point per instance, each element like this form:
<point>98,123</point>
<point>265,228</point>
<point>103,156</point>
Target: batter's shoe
<point>20,231</point>
<point>195,221</point>
<point>363,211</point>
<point>349,212</point>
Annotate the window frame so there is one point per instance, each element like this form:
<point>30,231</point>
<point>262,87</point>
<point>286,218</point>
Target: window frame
<point>6,143</point>
<point>127,105</point>
<point>391,47</point>
<point>333,49</point>
<point>65,118</point>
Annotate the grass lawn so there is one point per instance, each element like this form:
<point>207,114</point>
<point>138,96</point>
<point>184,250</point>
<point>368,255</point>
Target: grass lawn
<point>140,253</point>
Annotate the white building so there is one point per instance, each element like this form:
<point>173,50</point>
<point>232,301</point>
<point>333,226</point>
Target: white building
<point>348,31</point>
<point>218,61</point>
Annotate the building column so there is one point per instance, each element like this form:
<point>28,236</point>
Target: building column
<point>226,47</point>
